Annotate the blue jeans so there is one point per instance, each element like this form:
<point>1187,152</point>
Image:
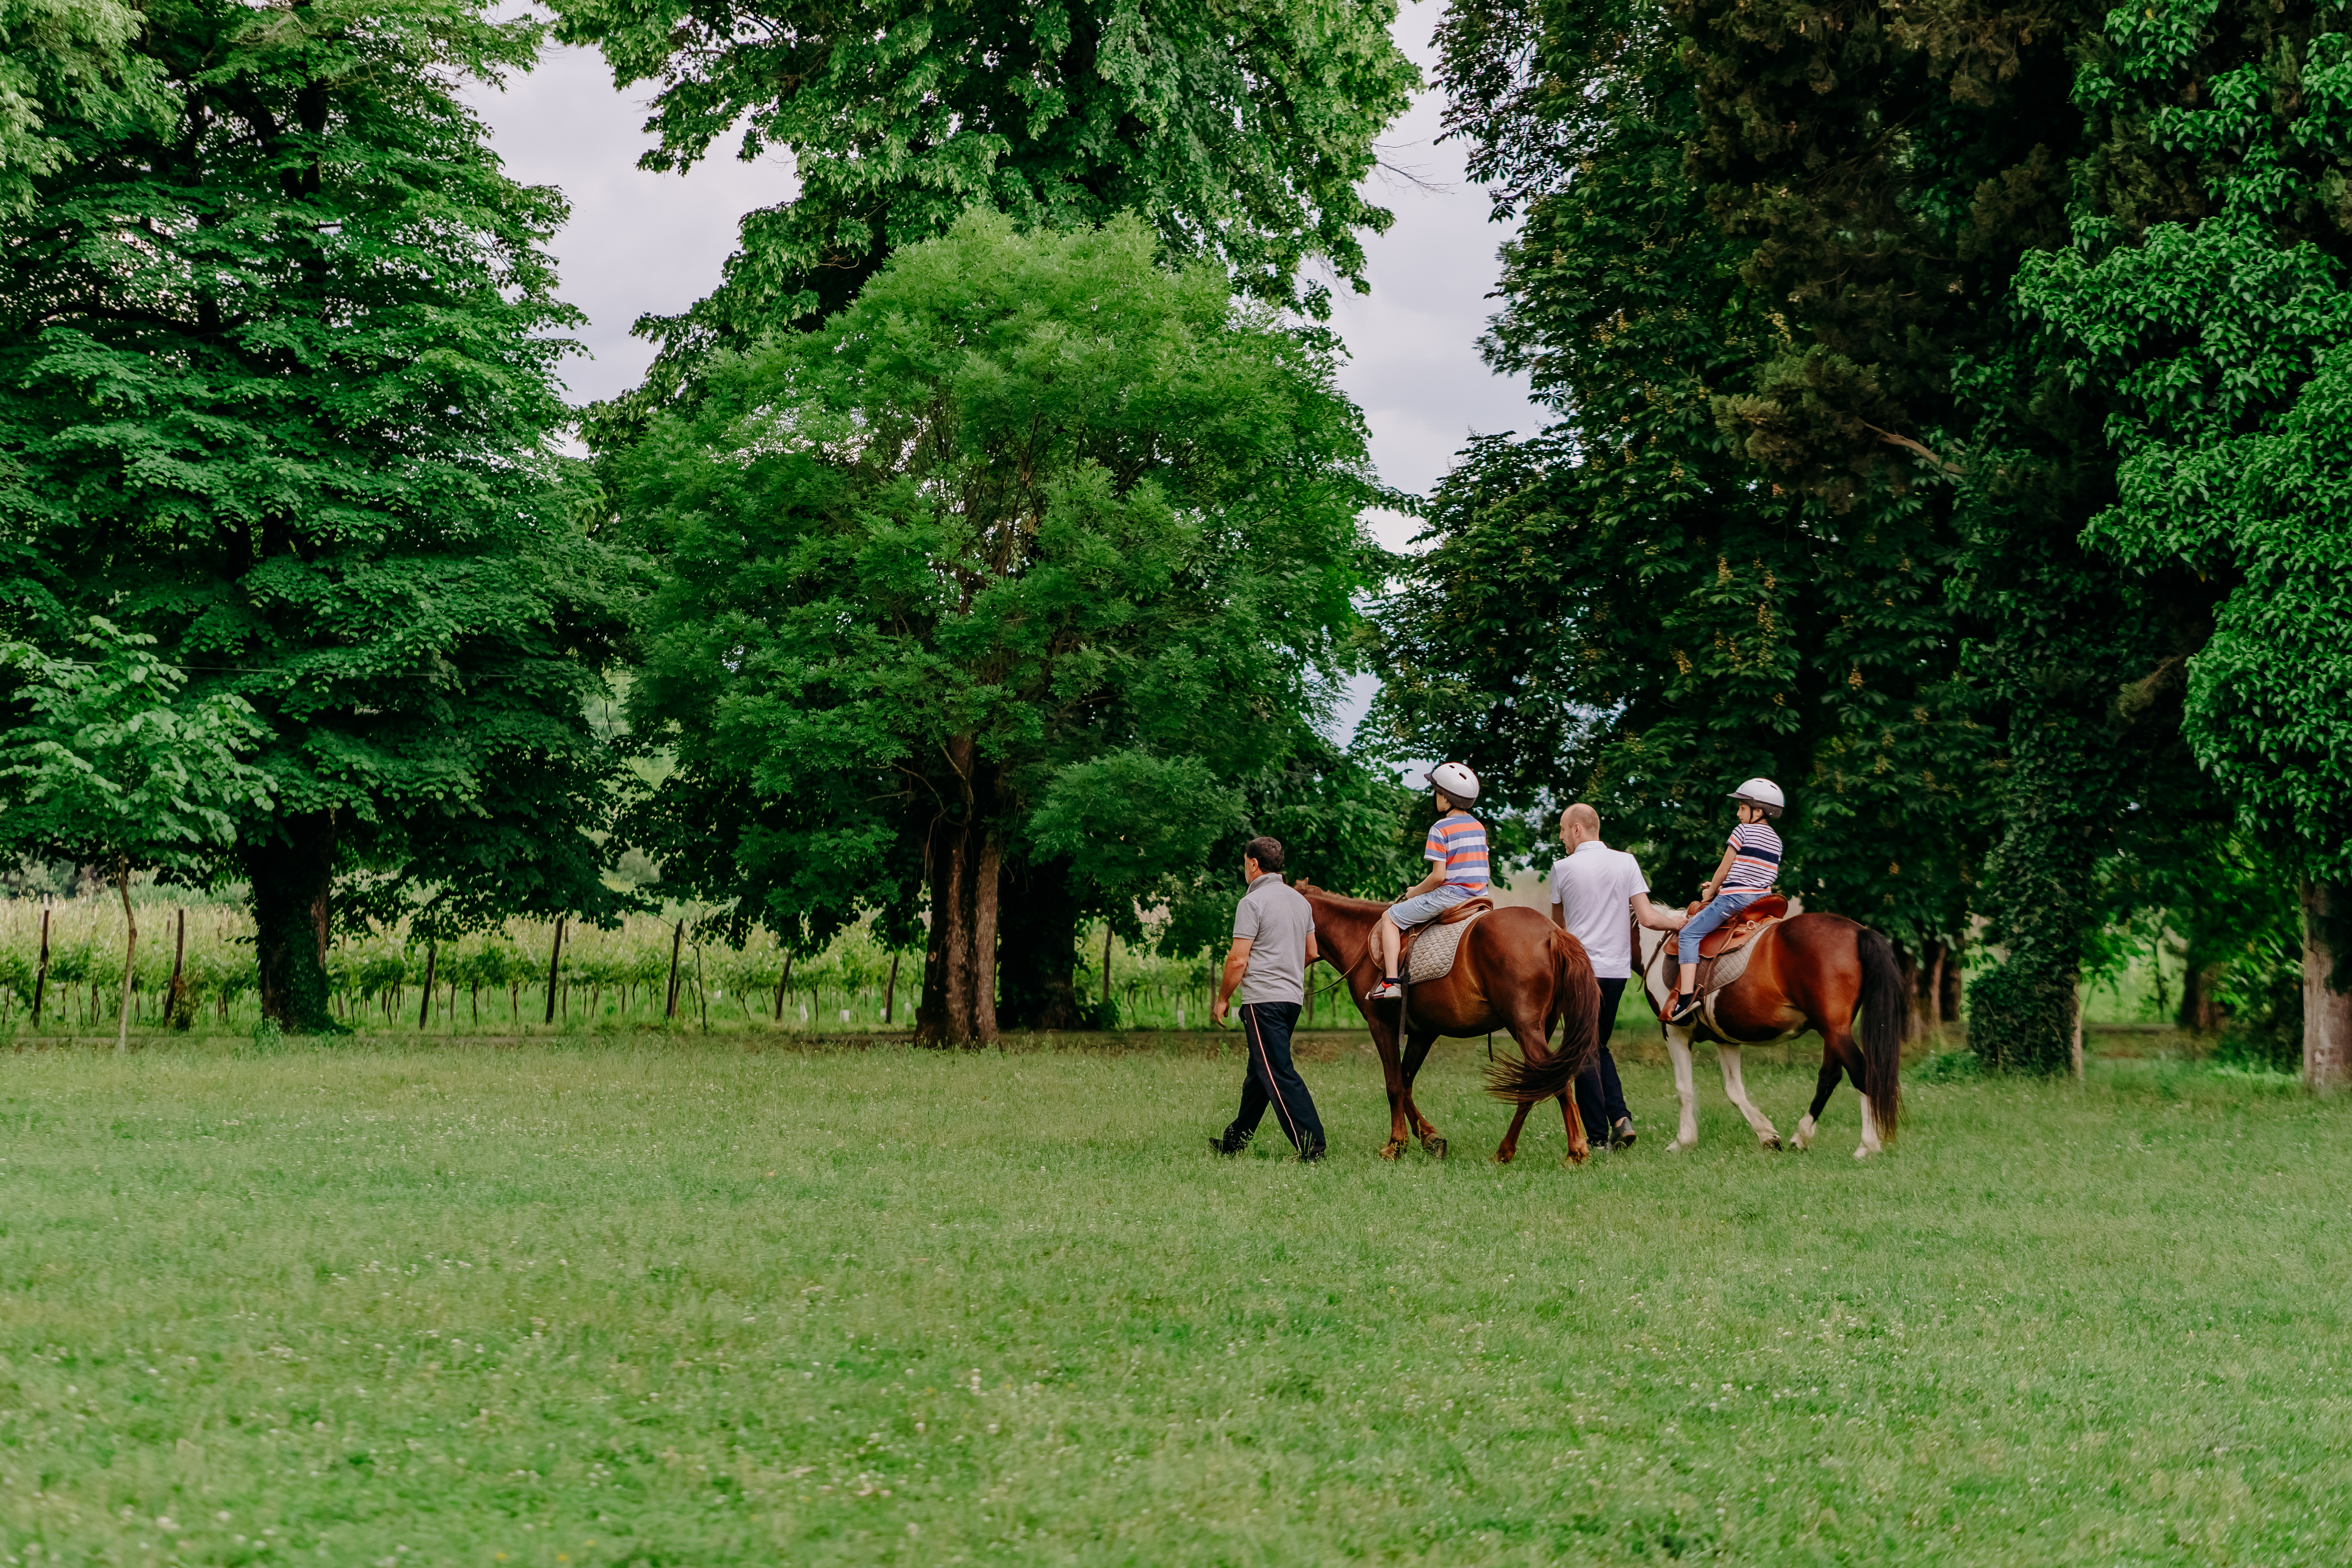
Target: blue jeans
<point>1428,905</point>
<point>1724,906</point>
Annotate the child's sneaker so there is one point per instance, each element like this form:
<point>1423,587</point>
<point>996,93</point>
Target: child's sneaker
<point>1386,991</point>
<point>1683,1010</point>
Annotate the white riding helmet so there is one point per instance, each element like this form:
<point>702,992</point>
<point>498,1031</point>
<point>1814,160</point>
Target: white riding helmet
<point>1763,792</point>
<point>1459,784</point>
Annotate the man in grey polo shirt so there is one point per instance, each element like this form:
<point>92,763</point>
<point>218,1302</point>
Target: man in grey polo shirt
<point>1274,941</point>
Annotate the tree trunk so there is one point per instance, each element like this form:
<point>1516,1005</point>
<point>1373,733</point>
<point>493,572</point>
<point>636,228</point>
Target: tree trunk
<point>292,876</point>
<point>432,961</point>
<point>1037,955</point>
<point>41,974</point>
<point>2327,987</point>
<point>2200,998</point>
<point>959,1006</point>
<point>1948,1003</point>
<point>130,951</point>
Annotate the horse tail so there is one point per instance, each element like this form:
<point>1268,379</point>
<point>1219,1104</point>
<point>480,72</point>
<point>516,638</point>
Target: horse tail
<point>1885,1021</point>
<point>1576,999</point>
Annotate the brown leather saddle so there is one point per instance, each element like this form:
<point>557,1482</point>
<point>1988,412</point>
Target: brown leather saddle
<point>1458,913</point>
<point>1725,940</point>
<point>1742,928</point>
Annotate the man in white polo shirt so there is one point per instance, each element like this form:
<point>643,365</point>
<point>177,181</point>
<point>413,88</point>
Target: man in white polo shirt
<point>1593,891</point>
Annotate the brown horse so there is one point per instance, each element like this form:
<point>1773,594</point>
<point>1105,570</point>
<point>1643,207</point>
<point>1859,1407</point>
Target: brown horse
<point>1809,972</point>
<point>1515,971</point>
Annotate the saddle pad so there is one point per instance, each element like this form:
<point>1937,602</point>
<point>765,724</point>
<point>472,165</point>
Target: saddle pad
<point>1431,957</point>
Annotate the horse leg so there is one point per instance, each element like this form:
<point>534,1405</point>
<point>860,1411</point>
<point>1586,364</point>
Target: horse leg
<point>1384,1041</point>
<point>1509,1149</point>
<point>1857,1069</point>
<point>1678,1047</point>
<point>1416,1051</point>
<point>1734,1088</point>
<point>1823,1087</point>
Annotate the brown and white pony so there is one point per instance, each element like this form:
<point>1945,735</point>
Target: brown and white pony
<point>1515,972</point>
<point>1809,972</point>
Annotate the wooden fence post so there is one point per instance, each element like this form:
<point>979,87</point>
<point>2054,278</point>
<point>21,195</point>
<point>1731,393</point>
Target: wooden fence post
<point>41,975</point>
<point>677,938</point>
<point>179,955</point>
<point>555,955</point>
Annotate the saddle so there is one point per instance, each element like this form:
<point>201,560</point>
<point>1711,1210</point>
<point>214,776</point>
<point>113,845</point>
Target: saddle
<point>1439,961</point>
<point>1723,952</point>
<point>1740,929</point>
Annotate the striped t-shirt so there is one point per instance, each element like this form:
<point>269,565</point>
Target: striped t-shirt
<point>1458,841</point>
<point>1755,856</point>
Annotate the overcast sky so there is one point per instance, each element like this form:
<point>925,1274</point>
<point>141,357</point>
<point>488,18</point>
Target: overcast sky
<point>640,243</point>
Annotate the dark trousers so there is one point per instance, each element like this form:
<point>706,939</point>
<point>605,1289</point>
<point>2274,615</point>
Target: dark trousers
<point>1600,1098</point>
<point>1272,1080</point>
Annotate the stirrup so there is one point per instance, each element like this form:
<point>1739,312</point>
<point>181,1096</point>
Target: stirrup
<point>1683,1008</point>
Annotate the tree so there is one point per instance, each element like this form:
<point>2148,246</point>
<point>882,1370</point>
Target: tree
<point>106,764</point>
<point>277,388</point>
<point>2221,339</point>
<point>1628,607</point>
<point>1239,134</point>
<point>1037,530</point>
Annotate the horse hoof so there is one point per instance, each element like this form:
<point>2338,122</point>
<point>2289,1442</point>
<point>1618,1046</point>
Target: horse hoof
<point>1391,1151</point>
<point>1678,1145</point>
<point>1864,1153</point>
<point>1504,1156</point>
<point>1770,1145</point>
<point>1433,1146</point>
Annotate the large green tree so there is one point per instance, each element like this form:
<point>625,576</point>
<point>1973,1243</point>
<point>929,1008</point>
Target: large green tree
<point>1632,607</point>
<point>1238,132</point>
<point>1037,552</point>
<point>277,388</point>
<point>2221,339</point>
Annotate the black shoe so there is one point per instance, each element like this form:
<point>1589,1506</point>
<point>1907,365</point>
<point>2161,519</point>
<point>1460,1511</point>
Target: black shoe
<point>1226,1144</point>
<point>1683,1009</point>
<point>1620,1136</point>
<point>1312,1156</point>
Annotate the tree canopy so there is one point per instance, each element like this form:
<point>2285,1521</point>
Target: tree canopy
<point>1242,134</point>
<point>276,388</point>
<point>1039,551</point>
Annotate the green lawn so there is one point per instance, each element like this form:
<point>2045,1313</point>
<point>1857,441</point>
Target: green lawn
<point>689,1303</point>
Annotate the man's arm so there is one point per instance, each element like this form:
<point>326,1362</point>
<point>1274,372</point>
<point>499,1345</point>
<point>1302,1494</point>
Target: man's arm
<point>1236,965</point>
<point>1650,915</point>
<point>1559,916</point>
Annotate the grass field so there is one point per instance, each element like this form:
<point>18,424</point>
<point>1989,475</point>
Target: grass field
<point>695,1303</point>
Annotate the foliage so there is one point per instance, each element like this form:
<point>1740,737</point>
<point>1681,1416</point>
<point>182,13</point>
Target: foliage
<point>63,61</point>
<point>1237,135</point>
<point>1037,545</point>
<point>277,388</point>
<point>1619,608</point>
<point>2220,340</point>
<point>105,762</point>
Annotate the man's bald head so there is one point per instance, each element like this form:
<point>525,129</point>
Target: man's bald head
<point>1578,823</point>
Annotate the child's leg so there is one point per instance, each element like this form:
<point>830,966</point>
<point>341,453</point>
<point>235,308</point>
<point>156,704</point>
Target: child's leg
<point>1385,941</point>
<point>1718,909</point>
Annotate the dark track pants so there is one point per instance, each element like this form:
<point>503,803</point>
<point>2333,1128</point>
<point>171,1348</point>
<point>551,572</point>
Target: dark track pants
<point>1272,1080</point>
<point>1600,1098</point>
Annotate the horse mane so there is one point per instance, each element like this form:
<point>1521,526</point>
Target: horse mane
<point>1351,905</point>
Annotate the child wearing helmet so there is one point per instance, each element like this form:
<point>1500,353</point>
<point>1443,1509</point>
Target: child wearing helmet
<point>1457,847</point>
<point>1750,865</point>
